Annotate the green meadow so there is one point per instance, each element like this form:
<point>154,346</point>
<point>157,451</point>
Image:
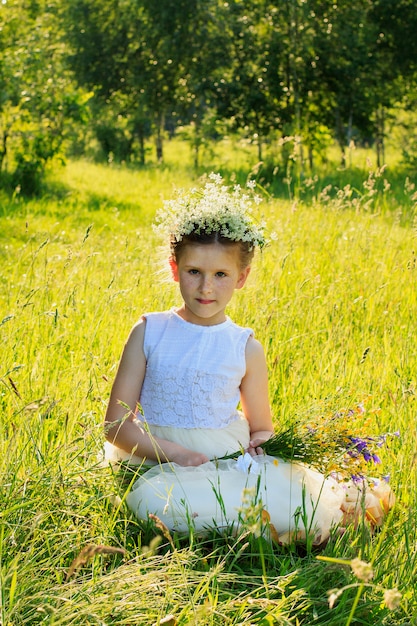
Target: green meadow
<point>332,299</point>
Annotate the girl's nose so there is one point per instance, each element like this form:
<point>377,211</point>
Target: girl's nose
<point>206,284</point>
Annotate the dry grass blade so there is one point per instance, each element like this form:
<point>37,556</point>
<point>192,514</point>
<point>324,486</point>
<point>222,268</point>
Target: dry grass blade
<point>87,553</point>
<point>162,527</point>
<point>168,620</point>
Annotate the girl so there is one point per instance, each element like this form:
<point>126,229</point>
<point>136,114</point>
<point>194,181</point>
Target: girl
<point>188,368</point>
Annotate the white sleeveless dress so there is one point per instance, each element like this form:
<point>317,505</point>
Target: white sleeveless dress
<point>190,396</point>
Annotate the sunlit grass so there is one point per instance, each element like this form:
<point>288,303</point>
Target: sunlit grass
<point>333,300</point>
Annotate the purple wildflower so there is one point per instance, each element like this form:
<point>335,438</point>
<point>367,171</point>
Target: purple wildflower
<point>359,443</point>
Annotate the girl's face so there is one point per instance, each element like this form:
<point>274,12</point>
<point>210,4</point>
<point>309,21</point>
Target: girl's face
<point>207,275</point>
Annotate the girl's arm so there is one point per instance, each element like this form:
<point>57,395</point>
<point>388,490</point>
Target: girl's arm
<point>254,396</point>
<point>120,425</point>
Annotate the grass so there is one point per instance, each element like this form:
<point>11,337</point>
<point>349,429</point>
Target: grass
<point>333,300</point>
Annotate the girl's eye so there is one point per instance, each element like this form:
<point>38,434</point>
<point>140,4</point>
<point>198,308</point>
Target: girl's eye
<point>193,272</point>
<point>220,274</point>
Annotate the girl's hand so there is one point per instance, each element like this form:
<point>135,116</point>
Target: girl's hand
<point>188,458</point>
<point>257,439</point>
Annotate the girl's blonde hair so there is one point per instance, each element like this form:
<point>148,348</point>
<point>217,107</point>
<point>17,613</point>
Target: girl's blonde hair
<point>245,249</point>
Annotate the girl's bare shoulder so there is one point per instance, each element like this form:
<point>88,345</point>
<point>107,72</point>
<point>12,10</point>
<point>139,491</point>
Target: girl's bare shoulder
<point>137,333</point>
<point>254,350</point>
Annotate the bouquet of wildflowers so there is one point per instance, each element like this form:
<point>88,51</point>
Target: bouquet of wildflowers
<point>338,444</point>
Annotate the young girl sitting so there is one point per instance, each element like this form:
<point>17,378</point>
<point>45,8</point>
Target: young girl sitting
<point>181,377</point>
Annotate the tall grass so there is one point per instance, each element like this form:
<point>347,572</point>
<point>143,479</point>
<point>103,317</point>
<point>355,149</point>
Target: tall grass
<point>333,300</point>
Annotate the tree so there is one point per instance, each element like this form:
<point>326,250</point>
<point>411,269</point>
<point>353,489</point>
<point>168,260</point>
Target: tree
<point>265,68</point>
<point>397,25</point>
<point>38,95</point>
<point>241,91</point>
<point>354,69</point>
<point>130,54</point>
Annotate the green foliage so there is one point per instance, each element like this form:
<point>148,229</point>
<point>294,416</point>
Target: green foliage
<point>332,300</point>
<point>314,71</point>
<point>38,98</point>
<point>403,131</point>
<point>279,69</point>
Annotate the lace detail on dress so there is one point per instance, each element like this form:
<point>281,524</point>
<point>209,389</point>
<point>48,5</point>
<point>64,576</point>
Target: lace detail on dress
<point>193,405</point>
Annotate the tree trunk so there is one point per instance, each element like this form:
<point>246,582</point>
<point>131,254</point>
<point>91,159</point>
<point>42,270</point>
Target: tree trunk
<point>159,138</point>
<point>142,154</point>
<point>197,143</point>
<point>380,136</point>
<point>341,139</point>
<point>3,150</point>
<point>140,134</point>
<point>259,145</point>
<point>311,158</point>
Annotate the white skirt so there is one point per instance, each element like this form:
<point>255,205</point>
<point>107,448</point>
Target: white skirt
<point>290,501</point>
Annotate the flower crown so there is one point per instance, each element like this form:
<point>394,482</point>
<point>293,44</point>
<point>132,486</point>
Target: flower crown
<point>213,209</point>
